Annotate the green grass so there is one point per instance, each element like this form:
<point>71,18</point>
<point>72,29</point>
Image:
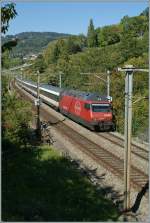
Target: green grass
<point>40,185</point>
<point>49,153</point>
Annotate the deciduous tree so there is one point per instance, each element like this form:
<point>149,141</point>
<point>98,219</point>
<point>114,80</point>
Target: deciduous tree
<point>8,12</point>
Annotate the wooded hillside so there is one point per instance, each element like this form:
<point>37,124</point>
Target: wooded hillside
<point>104,48</point>
<point>32,42</point>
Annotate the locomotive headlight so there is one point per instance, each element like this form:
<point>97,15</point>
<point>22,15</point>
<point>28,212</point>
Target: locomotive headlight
<point>95,119</point>
<point>107,115</point>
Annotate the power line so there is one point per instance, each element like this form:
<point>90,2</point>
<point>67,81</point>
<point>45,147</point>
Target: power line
<point>107,81</point>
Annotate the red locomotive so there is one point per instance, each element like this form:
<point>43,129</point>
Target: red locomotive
<point>89,109</point>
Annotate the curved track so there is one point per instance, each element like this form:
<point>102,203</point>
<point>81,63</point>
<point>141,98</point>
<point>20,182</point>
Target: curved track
<point>102,156</point>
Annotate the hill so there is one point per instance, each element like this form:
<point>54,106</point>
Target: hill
<point>32,42</point>
<point>104,48</point>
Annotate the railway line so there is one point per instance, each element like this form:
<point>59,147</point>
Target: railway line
<point>103,157</point>
<point>135,149</point>
<point>98,153</point>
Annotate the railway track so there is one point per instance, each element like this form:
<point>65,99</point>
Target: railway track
<point>103,157</point>
<point>135,149</point>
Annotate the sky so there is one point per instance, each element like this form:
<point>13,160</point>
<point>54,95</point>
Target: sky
<point>72,18</point>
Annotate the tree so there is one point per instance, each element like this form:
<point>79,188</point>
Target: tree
<point>108,35</point>
<point>15,118</point>
<point>82,40</point>
<point>146,12</point>
<point>8,12</point>
<point>39,64</point>
<point>55,53</point>
<point>91,35</point>
<point>6,59</point>
<point>135,26</point>
<point>72,46</point>
<point>9,45</point>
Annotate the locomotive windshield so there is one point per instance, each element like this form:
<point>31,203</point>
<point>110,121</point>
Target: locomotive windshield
<point>101,108</point>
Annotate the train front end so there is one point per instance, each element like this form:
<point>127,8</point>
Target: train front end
<point>102,116</point>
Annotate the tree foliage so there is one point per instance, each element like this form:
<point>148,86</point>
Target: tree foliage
<point>145,12</point>
<point>39,64</point>
<point>134,26</point>
<point>15,117</point>
<point>108,35</point>
<point>91,35</point>
<point>124,43</point>
<point>8,61</point>
<point>9,45</point>
<point>8,12</point>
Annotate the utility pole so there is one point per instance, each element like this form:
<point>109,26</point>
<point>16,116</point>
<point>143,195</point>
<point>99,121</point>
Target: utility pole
<point>128,133</point>
<point>60,79</point>
<point>108,83</point>
<point>129,69</point>
<point>21,73</point>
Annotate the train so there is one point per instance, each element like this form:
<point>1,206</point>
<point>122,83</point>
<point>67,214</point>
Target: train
<point>89,109</point>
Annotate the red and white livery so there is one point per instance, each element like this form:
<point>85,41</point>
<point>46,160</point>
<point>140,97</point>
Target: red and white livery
<point>89,109</point>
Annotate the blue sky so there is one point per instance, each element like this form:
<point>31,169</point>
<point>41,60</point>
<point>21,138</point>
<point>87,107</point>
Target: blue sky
<point>68,17</point>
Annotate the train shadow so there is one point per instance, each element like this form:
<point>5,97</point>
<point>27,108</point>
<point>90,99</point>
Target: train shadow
<point>38,185</point>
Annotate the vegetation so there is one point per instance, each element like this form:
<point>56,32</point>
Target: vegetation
<point>91,35</point>
<point>9,62</point>
<point>50,188</point>
<point>15,47</point>
<point>8,12</point>
<point>37,183</point>
<point>15,118</point>
<point>103,49</point>
<point>32,42</point>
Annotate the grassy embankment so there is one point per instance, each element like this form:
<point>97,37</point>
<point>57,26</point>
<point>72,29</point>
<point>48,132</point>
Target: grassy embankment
<point>41,185</point>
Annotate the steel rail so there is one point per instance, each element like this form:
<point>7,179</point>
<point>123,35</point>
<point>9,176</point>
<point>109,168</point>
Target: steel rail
<point>137,150</point>
<point>103,157</point>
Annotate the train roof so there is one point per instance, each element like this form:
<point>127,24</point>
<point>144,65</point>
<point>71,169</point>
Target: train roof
<point>30,82</point>
<point>42,85</point>
<point>27,81</point>
<point>86,95</point>
<point>75,93</point>
<point>50,87</point>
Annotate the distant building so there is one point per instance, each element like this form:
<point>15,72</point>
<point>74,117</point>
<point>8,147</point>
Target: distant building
<point>33,57</point>
<point>30,57</point>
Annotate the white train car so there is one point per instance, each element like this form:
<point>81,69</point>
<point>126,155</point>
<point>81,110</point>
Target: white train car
<point>48,94</point>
